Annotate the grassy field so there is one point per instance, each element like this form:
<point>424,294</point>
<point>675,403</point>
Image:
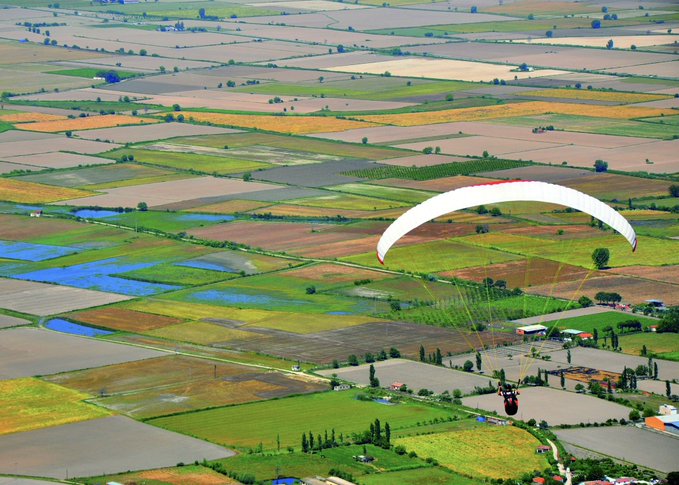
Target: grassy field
<point>177,275</point>
<point>433,257</point>
<point>611,96</point>
<point>189,161</point>
<point>100,176</point>
<point>346,201</point>
<point>485,451</point>
<point>587,323</point>
<point>31,404</point>
<point>409,196</point>
<point>436,171</point>
<point>420,476</point>
<point>122,319</point>
<point>199,333</point>
<point>90,73</point>
<point>369,87</point>
<point>31,193</point>
<point>251,424</point>
<point>664,345</point>
<point>651,251</point>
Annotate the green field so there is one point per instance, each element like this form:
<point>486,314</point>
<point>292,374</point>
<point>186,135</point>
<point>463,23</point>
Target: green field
<point>601,126</point>
<point>419,476</point>
<point>249,425</point>
<point>177,275</point>
<point>483,451</point>
<point>409,196</point>
<point>189,161</point>
<point>663,345</point>
<point>436,171</point>
<point>434,257</point>
<point>651,251</point>
<point>167,221</point>
<point>270,466</point>
<point>80,105</point>
<point>99,175</point>
<point>90,73</point>
<point>198,332</point>
<point>587,323</point>
<point>369,87</point>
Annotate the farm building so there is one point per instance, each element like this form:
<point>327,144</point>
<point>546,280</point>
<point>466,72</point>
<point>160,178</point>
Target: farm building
<point>396,386</point>
<point>667,410</point>
<point>542,449</point>
<point>532,330</point>
<point>669,424</point>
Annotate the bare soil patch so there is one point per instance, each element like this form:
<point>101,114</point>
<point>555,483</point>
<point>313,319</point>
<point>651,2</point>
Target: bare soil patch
<point>123,319</point>
<point>134,134</point>
<point>667,274</point>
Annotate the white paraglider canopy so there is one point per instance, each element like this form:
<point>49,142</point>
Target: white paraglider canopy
<point>504,191</point>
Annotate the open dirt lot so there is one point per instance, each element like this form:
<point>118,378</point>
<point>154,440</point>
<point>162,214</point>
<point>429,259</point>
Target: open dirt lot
<point>8,321</point>
<point>632,289</point>
<point>668,274</point>
<point>444,69</point>
<point>619,41</point>
<point>161,193</point>
<point>653,450</point>
<point>324,347</point>
<point>416,375</point>
<point>554,406</point>
<point>12,144</point>
<point>105,445</point>
<point>134,134</point>
<point>32,351</point>
<point>57,160</point>
<point>43,299</point>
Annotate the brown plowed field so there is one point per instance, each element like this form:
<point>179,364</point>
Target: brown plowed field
<point>632,290</point>
<point>524,273</point>
<point>16,228</point>
<point>335,273</point>
<point>668,274</point>
<point>123,319</point>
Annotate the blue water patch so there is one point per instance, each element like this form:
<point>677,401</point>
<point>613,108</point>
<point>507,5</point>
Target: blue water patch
<point>95,214</point>
<point>30,208</point>
<point>231,297</point>
<point>384,401</point>
<point>96,276</point>
<point>339,313</point>
<point>205,217</point>
<point>33,252</point>
<point>205,265</point>
<point>65,326</point>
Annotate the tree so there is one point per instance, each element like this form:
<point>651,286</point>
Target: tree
<point>374,381</point>
<point>201,13</point>
<point>563,380</point>
<point>673,478</point>
<point>585,302</point>
<point>230,84</point>
<point>352,360</point>
<point>143,52</point>
<point>310,290</point>
<point>609,44</point>
<point>394,353</point>
<point>340,48</point>
<point>596,24</point>
<point>568,355</point>
<point>305,444</point>
<point>600,166</point>
<point>670,321</point>
<point>468,366</point>
<point>142,206</point>
<point>668,389</point>
<point>395,306</point>
<point>439,357</point>
<point>549,34</point>
<point>369,358</point>
<point>478,361</point>
<point>600,257</point>
<point>474,9</point>
<point>674,190</point>
<point>422,354</point>
<point>364,140</point>
<point>247,176</point>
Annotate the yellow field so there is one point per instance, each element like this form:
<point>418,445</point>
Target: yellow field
<point>30,117</point>
<point>530,108</point>
<point>297,125</point>
<point>31,193</point>
<point>483,451</point>
<point>288,322</point>
<point>30,403</point>
<point>199,332</point>
<point>586,94</point>
<point>87,123</point>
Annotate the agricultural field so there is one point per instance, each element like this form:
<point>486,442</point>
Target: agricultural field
<point>191,195</point>
<point>30,404</point>
<point>483,450</point>
<point>246,426</point>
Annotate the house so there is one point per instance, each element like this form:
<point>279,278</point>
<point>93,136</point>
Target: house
<point>532,330</point>
<point>586,336</point>
<point>539,480</point>
<point>571,333</point>
<point>625,481</point>
<point>667,410</point>
<point>542,449</point>
<point>364,458</point>
<point>37,213</point>
<point>396,386</point>
<point>668,424</point>
<point>341,387</point>
<point>557,478</point>
<point>657,304</point>
<point>498,421</point>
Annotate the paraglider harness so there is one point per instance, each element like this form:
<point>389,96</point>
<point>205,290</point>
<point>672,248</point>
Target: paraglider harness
<point>509,394</point>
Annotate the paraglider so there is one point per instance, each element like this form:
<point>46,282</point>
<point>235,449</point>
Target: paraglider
<point>504,191</point>
<point>496,192</point>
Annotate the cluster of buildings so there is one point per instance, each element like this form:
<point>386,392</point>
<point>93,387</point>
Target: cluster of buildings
<point>538,330</point>
<point>668,421</point>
